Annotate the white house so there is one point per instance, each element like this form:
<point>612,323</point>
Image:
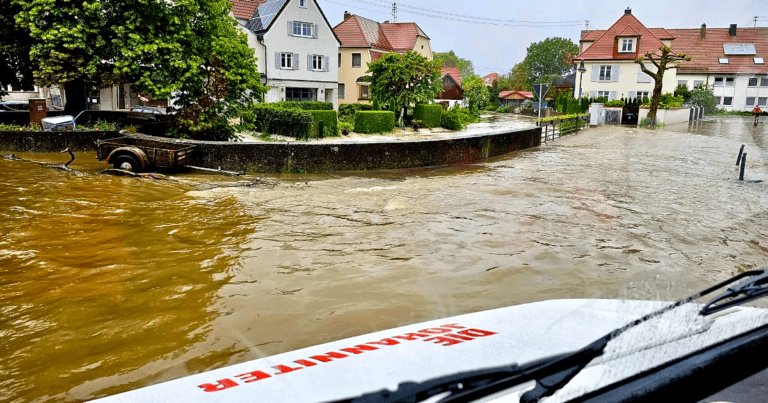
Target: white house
<point>296,50</point>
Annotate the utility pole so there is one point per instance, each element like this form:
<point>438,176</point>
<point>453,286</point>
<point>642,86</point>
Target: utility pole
<point>755,17</point>
<point>586,25</point>
<point>394,12</point>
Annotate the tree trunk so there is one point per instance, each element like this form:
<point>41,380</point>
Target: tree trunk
<point>659,81</point>
<point>75,93</point>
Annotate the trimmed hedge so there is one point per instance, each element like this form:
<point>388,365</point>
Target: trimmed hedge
<point>305,105</point>
<point>347,111</point>
<point>271,119</point>
<point>429,114</point>
<point>374,121</point>
<point>330,122</point>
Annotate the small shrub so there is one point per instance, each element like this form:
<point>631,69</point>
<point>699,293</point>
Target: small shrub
<point>346,127</point>
<point>491,107</point>
<point>4,126</point>
<point>453,119</point>
<point>347,111</point>
<point>268,118</point>
<point>429,115</point>
<point>503,109</point>
<point>102,125</point>
<point>417,124</point>
<point>374,121</point>
<point>615,102</point>
<point>330,122</point>
<point>375,106</point>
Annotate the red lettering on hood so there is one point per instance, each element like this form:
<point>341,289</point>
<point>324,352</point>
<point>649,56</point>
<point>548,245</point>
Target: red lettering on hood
<point>410,336</point>
<point>445,341</point>
<point>453,326</point>
<point>284,369</point>
<point>385,342</point>
<point>359,349</point>
<point>253,376</point>
<point>434,330</point>
<point>476,332</point>
<point>459,336</point>
<point>306,363</point>
<point>328,357</point>
<point>222,384</point>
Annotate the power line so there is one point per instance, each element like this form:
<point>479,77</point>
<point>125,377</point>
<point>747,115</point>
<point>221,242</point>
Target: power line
<point>357,7</point>
<point>473,19</point>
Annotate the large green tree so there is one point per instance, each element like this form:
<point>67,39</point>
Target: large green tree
<point>548,58</point>
<point>518,79</point>
<point>665,60</point>
<point>189,50</point>
<point>15,44</point>
<point>405,79</point>
<point>449,59</point>
<point>476,92</point>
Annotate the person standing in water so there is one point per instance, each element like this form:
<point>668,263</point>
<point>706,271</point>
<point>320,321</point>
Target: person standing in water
<point>757,112</point>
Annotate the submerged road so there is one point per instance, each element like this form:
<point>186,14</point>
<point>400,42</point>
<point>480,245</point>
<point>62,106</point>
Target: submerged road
<point>109,284</point>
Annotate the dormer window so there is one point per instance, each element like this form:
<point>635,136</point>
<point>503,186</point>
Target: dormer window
<point>303,3</point>
<point>627,45</point>
<point>759,60</point>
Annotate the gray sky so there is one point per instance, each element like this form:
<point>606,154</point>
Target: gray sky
<point>499,48</point>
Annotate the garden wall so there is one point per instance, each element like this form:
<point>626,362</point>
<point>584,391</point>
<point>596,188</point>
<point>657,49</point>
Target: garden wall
<point>39,141</point>
<point>669,116</point>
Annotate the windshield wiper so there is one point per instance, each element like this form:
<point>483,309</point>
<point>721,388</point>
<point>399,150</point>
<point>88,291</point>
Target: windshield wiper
<point>550,374</point>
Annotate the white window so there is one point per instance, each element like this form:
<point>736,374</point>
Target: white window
<point>729,81</point>
<point>718,81</point>
<point>718,100</point>
<point>727,101</point>
<point>764,82</point>
<point>722,60</point>
<point>605,73</point>
<point>762,101</point>
<point>339,59</point>
<point>627,46</point>
<point>752,82</point>
<point>286,60</point>
<point>302,29</point>
<point>341,90</point>
<point>356,60</point>
<point>697,83</point>
<point>303,3</point>
<point>317,62</point>
<point>604,94</point>
<point>759,60</point>
<point>642,94</point>
<point>682,82</point>
<point>750,101</point>
<point>364,94</point>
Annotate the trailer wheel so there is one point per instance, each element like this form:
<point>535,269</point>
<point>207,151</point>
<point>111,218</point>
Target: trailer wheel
<point>127,163</point>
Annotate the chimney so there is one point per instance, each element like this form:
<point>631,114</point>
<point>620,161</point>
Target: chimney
<point>347,15</point>
<point>628,11</point>
<point>703,31</point>
<point>732,30</point>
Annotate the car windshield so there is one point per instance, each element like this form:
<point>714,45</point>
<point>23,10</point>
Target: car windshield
<point>336,234</point>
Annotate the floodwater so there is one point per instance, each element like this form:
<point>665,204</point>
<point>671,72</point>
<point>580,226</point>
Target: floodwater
<point>111,283</point>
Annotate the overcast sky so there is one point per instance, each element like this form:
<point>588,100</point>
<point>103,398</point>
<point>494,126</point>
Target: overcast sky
<point>499,48</point>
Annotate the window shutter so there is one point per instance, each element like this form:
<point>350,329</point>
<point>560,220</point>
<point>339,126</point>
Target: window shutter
<point>615,72</point>
<point>642,77</point>
<point>632,94</point>
<point>296,61</point>
<point>309,62</point>
<point>612,96</point>
<point>327,64</point>
<point>277,60</point>
<point>290,28</point>
<point>593,94</point>
<point>314,30</point>
<point>595,73</point>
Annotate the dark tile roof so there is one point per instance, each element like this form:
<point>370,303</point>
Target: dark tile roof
<point>244,9</point>
<point>453,72</point>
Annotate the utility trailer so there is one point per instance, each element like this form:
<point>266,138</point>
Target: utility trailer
<point>138,154</point>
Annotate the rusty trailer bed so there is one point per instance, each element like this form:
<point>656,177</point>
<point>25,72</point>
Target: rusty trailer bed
<point>160,154</point>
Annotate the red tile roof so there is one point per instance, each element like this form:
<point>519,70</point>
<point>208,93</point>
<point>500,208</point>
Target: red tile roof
<point>244,9</point>
<point>453,72</point>
<point>490,78</point>
<point>517,94</point>
<point>605,46</point>
<point>705,52</point>
<point>360,32</point>
<point>590,36</point>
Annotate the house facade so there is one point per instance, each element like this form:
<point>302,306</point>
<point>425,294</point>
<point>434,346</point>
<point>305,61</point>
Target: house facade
<point>295,47</point>
<point>729,60</point>
<point>514,99</point>
<point>453,92</point>
<point>364,41</point>
<point>609,60</point>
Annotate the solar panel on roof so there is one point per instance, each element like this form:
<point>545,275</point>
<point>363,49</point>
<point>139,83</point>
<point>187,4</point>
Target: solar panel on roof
<point>739,48</point>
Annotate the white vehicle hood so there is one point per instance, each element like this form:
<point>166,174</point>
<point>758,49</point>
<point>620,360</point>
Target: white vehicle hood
<point>415,353</point>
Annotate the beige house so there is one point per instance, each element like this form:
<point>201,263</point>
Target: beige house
<point>364,41</point>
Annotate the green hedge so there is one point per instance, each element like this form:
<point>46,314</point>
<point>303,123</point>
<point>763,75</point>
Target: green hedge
<point>271,119</point>
<point>374,121</point>
<point>305,105</point>
<point>347,111</point>
<point>330,122</point>
<point>429,114</point>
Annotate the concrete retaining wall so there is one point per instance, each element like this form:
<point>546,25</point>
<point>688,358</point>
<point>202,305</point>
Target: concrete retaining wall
<point>668,116</point>
<point>308,157</point>
<point>28,141</point>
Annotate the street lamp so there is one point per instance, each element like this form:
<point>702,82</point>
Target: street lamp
<point>581,69</point>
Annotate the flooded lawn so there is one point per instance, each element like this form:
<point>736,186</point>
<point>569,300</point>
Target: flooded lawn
<point>109,284</point>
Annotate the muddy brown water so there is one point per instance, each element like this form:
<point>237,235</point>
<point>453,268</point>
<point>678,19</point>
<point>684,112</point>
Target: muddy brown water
<point>109,284</point>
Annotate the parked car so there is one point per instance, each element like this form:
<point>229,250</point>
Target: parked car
<point>14,106</point>
<point>146,114</point>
